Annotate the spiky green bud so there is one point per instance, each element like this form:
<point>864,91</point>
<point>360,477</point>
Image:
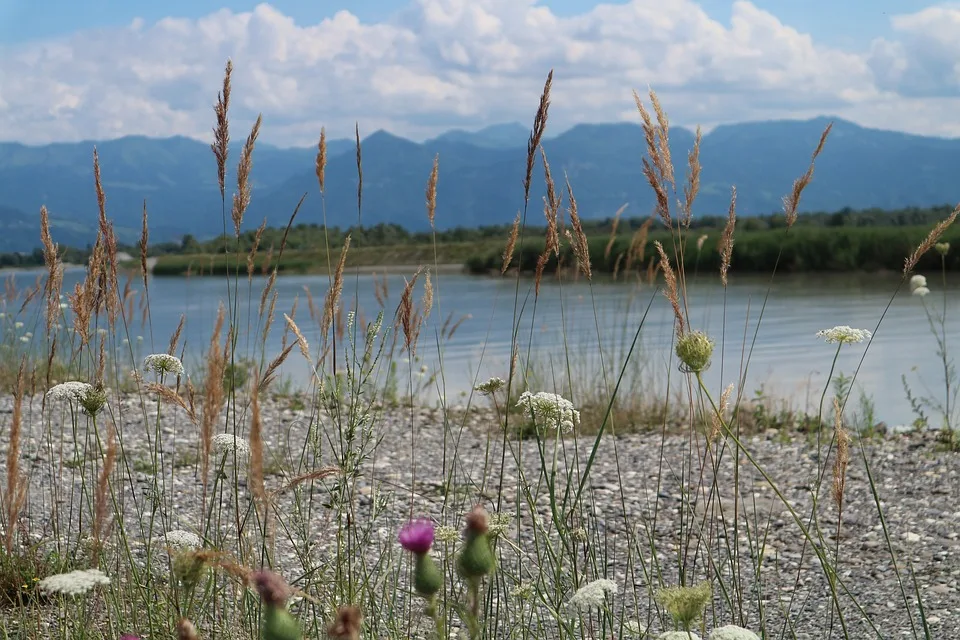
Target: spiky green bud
<point>476,557</point>
<point>427,578</point>
<point>278,624</point>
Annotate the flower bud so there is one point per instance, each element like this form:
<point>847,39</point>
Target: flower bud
<point>476,558</point>
<point>427,578</point>
<point>694,350</point>
<point>278,624</point>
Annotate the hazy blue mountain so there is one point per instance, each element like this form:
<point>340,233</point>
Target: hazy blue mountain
<point>481,176</point>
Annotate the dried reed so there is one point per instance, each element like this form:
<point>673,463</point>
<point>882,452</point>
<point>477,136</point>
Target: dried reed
<point>725,245</point>
<point>791,202</point>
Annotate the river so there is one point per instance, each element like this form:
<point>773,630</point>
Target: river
<point>786,359</point>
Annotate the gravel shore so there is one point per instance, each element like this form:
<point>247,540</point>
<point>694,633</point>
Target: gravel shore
<point>435,467</point>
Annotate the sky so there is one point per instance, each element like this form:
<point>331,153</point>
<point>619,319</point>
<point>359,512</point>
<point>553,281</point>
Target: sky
<point>100,69</point>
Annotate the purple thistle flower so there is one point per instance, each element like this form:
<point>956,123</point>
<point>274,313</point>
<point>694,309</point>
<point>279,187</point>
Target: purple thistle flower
<point>417,536</point>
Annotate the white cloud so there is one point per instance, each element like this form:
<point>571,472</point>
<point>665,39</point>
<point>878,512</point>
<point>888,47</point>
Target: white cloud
<point>446,63</point>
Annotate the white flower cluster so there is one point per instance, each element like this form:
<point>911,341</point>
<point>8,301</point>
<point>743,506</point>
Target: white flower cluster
<point>180,539</point>
<point>844,334</point>
<point>593,594</point>
<point>550,410</point>
<point>490,386</point>
<point>918,286</point>
<point>444,533</point>
<point>732,632</point>
<point>161,363</point>
<point>73,390</point>
<point>74,583</point>
<point>499,523</point>
<point>227,443</point>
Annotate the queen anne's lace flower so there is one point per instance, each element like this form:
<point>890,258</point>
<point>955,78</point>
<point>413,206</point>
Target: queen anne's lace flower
<point>844,334</point>
<point>180,539</point>
<point>732,632</point>
<point>921,291</point>
<point>446,534</point>
<point>917,281</point>
<point>550,410</point>
<point>490,386</point>
<point>593,594</point>
<point>227,443</point>
<point>161,363</point>
<point>73,583</point>
<point>499,523</point>
<point>73,390</point>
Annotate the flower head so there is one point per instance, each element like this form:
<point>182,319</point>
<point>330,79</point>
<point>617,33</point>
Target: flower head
<point>844,334</point>
<point>73,390</point>
<point>180,539</point>
<point>917,281</point>
<point>224,443</point>
<point>447,534</point>
<point>685,604</point>
<point>161,363</point>
<point>346,626</point>
<point>476,557</point>
<point>550,410</point>
<point>943,248</point>
<point>694,350</point>
<point>732,632</point>
<point>593,594</point>
<point>416,536</point>
<point>921,291</point>
<point>490,386</point>
<point>73,583</point>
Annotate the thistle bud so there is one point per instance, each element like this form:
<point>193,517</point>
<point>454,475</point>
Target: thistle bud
<point>278,624</point>
<point>476,558</point>
<point>427,579</point>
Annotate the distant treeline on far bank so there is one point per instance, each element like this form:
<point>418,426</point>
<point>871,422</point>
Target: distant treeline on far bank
<point>846,240</point>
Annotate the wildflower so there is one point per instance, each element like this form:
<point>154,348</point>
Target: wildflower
<point>844,334</point>
<point>28,334</point>
<point>446,534</point>
<point>64,305</point>
<point>490,386</point>
<point>732,632</point>
<point>417,537</point>
<point>476,557</point>
<point>579,534</point>
<point>943,248</point>
<point>180,539</point>
<point>73,583</point>
<point>522,591</point>
<point>161,363</point>
<point>24,339</point>
<point>685,604</point>
<point>499,523</point>
<point>550,410</point>
<point>694,350</point>
<point>921,291</point>
<point>18,325</point>
<point>224,443</point>
<point>917,281</point>
<point>186,630</point>
<point>73,390</point>
<point>94,400</point>
<point>593,594</point>
<point>278,624</point>
<point>189,566</point>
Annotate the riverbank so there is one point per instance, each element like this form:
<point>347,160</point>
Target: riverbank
<point>635,496</point>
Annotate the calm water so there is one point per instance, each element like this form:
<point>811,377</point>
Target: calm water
<point>787,359</point>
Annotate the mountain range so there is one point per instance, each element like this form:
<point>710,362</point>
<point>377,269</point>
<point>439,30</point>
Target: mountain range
<point>480,180</point>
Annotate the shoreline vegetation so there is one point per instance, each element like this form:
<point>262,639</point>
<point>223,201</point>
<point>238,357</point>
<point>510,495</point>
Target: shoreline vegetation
<point>143,495</point>
<point>870,240</point>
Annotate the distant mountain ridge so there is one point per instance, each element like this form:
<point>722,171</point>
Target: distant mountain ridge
<point>480,177</point>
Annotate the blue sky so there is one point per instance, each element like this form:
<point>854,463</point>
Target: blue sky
<point>96,69</point>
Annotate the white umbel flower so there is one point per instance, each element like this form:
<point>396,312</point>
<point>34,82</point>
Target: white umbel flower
<point>490,386</point>
<point>550,410</point>
<point>917,281</point>
<point>227,443</point>
<point>73,390</point>
<point>593,594</point>
<point>732,632</point>
<point>161,363</point>
<point>844,334</point>
<point>74,583</point>
<point>180,539</point>
<point>921,291</point>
